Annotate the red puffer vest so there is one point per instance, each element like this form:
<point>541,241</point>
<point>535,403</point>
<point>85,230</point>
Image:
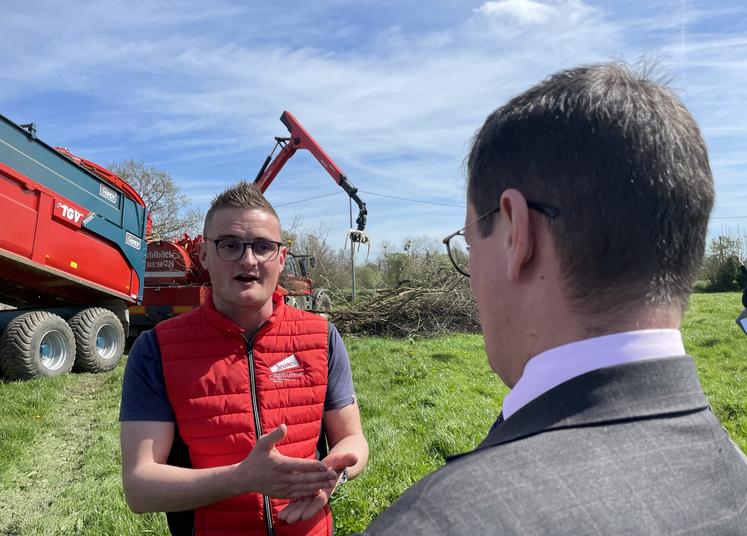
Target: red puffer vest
<point>222,390</point>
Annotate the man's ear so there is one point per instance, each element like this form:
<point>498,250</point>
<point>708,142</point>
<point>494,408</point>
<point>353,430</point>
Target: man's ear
<point>519,242</point>
<point>202,254</point>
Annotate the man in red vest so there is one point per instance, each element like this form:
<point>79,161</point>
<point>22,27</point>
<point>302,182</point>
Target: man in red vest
<point>223,408</point>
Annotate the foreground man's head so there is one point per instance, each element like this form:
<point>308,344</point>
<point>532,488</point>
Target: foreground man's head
<point>603,189</point>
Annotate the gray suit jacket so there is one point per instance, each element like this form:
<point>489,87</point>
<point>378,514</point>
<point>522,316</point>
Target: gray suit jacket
<point>629,449</point>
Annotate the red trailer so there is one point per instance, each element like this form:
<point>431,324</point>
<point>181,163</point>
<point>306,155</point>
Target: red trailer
<point>72,252</point>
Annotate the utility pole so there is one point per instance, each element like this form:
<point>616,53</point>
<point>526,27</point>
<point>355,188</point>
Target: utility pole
<point>352,249</point>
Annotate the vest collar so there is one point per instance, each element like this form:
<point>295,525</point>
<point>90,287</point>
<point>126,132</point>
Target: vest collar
<point>226,325</point>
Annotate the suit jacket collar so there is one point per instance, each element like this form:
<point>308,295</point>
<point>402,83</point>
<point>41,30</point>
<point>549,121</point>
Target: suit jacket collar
<point>635,390</point>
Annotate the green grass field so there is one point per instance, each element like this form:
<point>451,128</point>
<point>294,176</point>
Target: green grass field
<point>421,401</point>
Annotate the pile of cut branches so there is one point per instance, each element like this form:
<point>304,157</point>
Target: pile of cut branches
<point>432,302</point>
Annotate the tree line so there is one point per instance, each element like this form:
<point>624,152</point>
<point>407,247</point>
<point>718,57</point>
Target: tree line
<point>722,266</point>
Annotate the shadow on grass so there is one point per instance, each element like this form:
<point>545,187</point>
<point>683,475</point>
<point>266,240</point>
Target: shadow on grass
<point>710,342</point>
<point>730,410</point>
<point>444,358</point>
<point>4,380</point>
<point>442,447</point>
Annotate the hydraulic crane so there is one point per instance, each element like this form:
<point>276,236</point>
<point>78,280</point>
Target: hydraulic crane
<point>301,139</point>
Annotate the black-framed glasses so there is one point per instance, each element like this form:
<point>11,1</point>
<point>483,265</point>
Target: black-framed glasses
<point>232,249</point>
<point>456,244</point>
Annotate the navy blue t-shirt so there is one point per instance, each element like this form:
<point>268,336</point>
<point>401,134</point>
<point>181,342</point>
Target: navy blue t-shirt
<point>144,395</point>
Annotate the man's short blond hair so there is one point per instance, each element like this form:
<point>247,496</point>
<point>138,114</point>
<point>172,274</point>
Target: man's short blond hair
<point>242,195</point>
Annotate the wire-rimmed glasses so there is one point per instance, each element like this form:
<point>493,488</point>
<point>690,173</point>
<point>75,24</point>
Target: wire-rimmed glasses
<point>458,248</point>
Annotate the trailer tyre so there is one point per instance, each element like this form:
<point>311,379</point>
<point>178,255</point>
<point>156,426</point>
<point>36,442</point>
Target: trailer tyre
<point>36,344</point>
<point>99,338</point>
<point>322,301</point>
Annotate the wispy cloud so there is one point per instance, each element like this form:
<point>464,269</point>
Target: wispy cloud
<point>531,12</point>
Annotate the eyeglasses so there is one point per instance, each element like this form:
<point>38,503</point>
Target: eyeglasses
<point>458,248</point>
<point>232,249</point>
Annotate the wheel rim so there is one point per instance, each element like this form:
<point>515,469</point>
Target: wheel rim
<point>53,350</point>
<point>106,342</point>
<point>324,304</point>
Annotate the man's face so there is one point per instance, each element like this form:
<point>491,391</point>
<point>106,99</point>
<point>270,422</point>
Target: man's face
<point>246,283</point>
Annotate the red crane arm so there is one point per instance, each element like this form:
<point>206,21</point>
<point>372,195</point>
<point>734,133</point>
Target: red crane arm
<point>301,139</point>
<point>268,172</point>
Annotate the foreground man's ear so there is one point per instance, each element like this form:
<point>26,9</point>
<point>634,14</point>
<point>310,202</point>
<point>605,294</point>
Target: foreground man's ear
<point>518,240</point>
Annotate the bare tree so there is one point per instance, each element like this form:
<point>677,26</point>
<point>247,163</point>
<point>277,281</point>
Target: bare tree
<point>421,245</point>
<point>332,268</point>
<point>170,209</point>
<point>291,232</point>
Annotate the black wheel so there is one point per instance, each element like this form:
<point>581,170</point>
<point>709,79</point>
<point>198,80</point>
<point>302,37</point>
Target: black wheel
<point>100,339</point>
<point>36,344</point>
<point>322,301</point>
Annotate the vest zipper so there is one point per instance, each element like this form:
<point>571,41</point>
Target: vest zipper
<point>258,425</point>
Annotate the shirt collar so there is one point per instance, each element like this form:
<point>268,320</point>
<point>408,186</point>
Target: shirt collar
<point>560,364</point>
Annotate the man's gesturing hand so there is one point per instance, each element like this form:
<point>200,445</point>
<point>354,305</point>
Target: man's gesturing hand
<point>305,507</point>
<point>268,472</point>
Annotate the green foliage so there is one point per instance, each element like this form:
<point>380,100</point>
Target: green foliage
<point>721,267</point>
<point>724,275</point>
<point>397,268</point>
<point>369,276</point>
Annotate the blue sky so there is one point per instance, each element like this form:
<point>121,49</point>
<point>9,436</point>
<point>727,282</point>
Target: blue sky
<point>393,90</point>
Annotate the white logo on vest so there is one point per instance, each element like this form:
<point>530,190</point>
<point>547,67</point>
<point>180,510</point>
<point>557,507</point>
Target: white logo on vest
<point>287,368</point>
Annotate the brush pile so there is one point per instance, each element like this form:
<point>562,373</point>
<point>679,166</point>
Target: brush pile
<point>432,301</point>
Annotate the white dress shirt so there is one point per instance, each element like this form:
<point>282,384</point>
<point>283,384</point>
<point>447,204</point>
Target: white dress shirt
<point>560,364</point>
